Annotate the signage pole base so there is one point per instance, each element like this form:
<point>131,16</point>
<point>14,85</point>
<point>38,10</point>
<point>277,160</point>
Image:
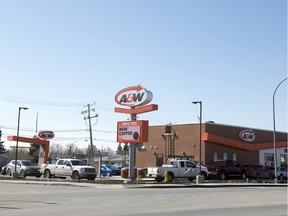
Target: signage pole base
<point>131,162</point>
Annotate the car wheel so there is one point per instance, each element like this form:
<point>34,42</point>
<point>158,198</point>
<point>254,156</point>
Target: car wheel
<point>3,171</point>
<point>47,174</point>
<point>281,178</point>
<point>108,174</point>
<point>75,176</point>
<point>204,174</point>
<point>222,176</point>
<point>22,174</point>
<point>244,175</point>
<point>170,177</point>
<point>8,172</point>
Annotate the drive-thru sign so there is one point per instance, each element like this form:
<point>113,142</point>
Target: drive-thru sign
<point>132,131</point>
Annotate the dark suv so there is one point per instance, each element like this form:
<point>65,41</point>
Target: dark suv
<point>224,169</point>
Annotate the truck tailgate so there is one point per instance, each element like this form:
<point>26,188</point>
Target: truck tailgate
<point>152,171</point>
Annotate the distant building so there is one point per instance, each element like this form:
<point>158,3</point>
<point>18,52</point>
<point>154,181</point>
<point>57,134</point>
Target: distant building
<point>116,160</point>
<point>218,141</point>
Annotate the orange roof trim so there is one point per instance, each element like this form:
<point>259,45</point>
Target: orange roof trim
<point>208,137</point>
<point>137,110</point>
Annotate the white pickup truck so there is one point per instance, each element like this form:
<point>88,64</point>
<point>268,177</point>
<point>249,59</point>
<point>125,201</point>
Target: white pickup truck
<point>177,169</point>
<point>74,168</point>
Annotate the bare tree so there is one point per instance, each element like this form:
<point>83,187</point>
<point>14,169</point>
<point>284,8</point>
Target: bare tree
<point>56,151</point>
<point>23,154</point>
<point>71,150</point>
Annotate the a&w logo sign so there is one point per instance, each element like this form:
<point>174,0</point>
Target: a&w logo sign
<point>133,96</point>
<point>247,135</point>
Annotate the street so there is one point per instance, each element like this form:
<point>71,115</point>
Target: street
<point>114,199</point>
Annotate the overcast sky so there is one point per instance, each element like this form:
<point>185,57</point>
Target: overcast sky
<point>58,56</point>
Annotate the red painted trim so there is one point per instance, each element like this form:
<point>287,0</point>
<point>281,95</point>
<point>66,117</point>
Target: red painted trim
<point>34,141</point>
<point>208,137</point>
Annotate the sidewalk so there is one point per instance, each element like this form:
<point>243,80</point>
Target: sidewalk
<point>118,182</point>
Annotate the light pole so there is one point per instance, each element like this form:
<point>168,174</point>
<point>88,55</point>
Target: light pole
<point>274,132</point>
<point>200,152</point>
<point>17,139</point>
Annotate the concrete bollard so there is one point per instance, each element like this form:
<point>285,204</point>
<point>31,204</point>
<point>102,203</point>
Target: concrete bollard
<point>199,179</point>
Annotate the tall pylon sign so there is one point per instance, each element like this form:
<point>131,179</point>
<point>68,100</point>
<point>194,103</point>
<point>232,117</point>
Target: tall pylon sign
<point>134,131</point>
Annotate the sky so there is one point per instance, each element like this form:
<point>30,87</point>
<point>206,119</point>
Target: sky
<point>56,57</point>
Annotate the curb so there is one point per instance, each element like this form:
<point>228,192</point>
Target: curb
<point>121,184</point>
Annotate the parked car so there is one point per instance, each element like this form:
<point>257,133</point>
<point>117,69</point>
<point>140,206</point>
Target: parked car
<point>75,168</point>
<point>109,170</point>
<point>224,169</point>
<point>177,169</point>
<point>258,171</point>
<point>282,173</point>
<point>24,168</point>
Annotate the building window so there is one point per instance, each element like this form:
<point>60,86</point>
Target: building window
<point>283,160</point>
<point>159,159</point>
<point>235,156</point>
<point>215,156</point>
<point>269,159</point>
<point>225,156</point>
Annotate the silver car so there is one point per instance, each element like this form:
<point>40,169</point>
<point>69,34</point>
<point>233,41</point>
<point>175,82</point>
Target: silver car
<point>24,168</point>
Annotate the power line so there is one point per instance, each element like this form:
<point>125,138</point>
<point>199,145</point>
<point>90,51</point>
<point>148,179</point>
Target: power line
<point>99,106</point>
<point>50,103</point>
<point>16,99</point>
<point>57,130</point>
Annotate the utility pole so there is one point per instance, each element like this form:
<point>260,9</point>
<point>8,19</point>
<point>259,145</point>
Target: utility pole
<point>2,148</point>
<point>88,113</point>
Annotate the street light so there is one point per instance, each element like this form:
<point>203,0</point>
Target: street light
<point>274,132</point>
<point>17,139</point>
<point>200,152</point>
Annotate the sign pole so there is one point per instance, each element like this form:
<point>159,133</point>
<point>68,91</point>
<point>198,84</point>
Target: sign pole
<point>132,154</point>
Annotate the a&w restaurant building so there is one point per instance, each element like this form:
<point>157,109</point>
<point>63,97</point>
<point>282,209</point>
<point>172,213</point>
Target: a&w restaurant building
<point>217,141</point>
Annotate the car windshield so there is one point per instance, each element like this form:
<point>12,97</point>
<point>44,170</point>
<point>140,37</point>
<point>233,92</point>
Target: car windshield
<point>28,163</point>
<point>78,163</point>
<point>109,166</point>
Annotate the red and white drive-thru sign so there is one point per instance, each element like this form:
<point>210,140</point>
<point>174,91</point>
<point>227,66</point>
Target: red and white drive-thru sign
<point>132,131</point>
<point>133,96</point>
